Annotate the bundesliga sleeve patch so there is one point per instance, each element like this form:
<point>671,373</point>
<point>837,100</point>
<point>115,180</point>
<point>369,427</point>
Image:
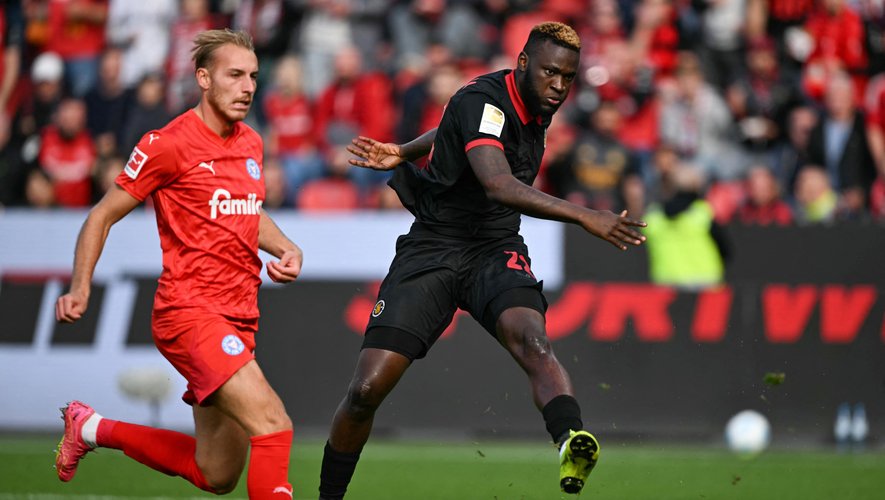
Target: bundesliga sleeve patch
<point>136,161</point>
<point>492,121</point>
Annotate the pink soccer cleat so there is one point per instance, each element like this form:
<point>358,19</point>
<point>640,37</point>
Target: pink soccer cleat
<point>72,448</point>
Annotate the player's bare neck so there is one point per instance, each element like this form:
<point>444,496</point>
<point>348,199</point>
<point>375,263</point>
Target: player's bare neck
<point>216,123</point>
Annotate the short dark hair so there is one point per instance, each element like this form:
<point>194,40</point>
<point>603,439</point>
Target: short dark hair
<point>558,33</point>
<point>207,42</point>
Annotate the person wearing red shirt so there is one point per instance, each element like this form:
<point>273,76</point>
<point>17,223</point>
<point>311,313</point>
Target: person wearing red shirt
<point>764,205</point>
<point>76,30</point>
<point>289,114</point>
<point>839,45</point>
<point>203,173</point>
<point>67,155</point>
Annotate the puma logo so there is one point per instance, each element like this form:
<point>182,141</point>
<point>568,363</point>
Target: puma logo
<point>208,166</point>
<point>283,489</point>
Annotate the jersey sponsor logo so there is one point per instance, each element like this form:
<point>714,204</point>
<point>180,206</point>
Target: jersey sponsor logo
<point>152,138</point>
<point>222,203</point>
<point>492,121</point>
<point>232,345</point>
<point>208,166</point>
<point>136,161</point>
<point>252,169</point>
<point>378,309</point>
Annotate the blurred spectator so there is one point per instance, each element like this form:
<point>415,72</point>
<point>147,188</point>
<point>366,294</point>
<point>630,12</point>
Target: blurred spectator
<point>874,108</point>
<point>182,91</point>
<point>325,31</point>
<point>415,24</point>
<point>722,23</point>
<point>107,105</point>
<point>764,205</point>
<point>335,191</point>
<point>67,155</point>
<point>423,103</point>
<point>39,192</point>
<point>272,24</point>
<point>788,156</point>
<point>291,127</point>
<point>816,200</point>
<point>760,99</point>
<point>774,17</point>
<point>839,144</point>
<point>77,33</point>
<point>686,248</point>
<point>591,174</point>
<point>106,171</point>
<point>655,36</point>
<point>274,184</point>
<point>34,114</point>
<point>664,162</point>
<point>838,36</point>
<point>695,120</point>
<point>148,113</point>
<point>356,101</point>
<point>873,14</point>
<point>140,29</point>
<point>11,41</point>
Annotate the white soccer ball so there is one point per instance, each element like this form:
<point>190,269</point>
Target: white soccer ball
<point>748,433</point>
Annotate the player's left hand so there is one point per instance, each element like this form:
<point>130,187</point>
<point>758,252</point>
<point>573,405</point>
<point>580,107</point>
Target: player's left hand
<point>287,269</point>
<point>615,229</point>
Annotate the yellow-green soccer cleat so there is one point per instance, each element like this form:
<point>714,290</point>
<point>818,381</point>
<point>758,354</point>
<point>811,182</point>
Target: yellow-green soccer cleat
<point>577,457</point>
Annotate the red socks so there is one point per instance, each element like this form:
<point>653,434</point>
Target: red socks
<point>169,452</point>
<point>172,453</point>
<point>269,466</point>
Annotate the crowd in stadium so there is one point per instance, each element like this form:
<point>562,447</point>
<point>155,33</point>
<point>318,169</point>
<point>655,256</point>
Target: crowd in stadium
<point>773,111</point>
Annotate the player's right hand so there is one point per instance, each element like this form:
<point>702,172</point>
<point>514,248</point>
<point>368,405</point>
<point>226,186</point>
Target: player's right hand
<point>70,307</point>
<point>375,155</point>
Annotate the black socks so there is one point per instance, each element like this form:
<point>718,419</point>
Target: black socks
<point>562,414</point>
<point>336,473</point>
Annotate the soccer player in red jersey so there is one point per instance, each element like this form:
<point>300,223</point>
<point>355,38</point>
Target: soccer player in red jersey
<point>203,172</point>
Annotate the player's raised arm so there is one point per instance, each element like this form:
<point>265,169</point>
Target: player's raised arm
<point>272,240</point>
<point>493,172</point>
<point>386,156</point>
<point>90,242</point>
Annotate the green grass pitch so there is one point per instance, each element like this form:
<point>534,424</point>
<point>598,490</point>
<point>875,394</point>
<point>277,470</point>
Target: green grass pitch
<point>392,470</point>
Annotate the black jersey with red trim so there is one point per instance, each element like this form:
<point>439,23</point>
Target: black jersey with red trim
<point>445,196</point>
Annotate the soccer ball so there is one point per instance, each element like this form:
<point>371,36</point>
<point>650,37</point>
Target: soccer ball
<point>748,433</point>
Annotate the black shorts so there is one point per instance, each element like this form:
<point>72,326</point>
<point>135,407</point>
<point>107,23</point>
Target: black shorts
<point>433,275</point>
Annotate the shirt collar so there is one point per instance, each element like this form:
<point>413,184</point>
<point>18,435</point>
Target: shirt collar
<point>524,116</point>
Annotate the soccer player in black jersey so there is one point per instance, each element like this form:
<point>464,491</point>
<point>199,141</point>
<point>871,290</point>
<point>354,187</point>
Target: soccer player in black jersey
<point>464,249</point>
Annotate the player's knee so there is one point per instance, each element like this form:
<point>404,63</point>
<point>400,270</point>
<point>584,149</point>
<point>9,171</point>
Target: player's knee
<point>221,484</point>
<point>363,399</point>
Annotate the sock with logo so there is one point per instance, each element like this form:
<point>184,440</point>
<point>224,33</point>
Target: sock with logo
<point>562,414</point>
<point>268,476</point>
<point>336,472</point>
<point>169,452</point>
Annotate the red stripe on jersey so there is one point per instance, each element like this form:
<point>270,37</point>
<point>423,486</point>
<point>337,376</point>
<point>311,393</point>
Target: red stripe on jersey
<point>483,142</point>
<point>515,98</point>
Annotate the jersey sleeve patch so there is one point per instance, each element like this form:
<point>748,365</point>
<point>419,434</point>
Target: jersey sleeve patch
<point>492,121</point>
<point>136,161</point>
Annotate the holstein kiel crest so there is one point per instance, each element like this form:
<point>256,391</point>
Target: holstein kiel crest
<point>252,169</point>
<point>232,345</point>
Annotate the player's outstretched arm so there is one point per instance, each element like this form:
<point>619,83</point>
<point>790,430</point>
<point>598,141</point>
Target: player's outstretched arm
<point>494,174</point>
<point>272,240</point>
<point>112,207</point>
<point>385,155</point>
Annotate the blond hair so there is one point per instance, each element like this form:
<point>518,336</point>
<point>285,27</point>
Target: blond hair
<point>556,32</point>
<point>207,42</point>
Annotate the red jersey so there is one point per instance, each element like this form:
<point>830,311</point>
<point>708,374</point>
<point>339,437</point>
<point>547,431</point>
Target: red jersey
<point>68,162</point>
<point>291,119</point>
<point>207,192</point>
<point>74,39</point>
